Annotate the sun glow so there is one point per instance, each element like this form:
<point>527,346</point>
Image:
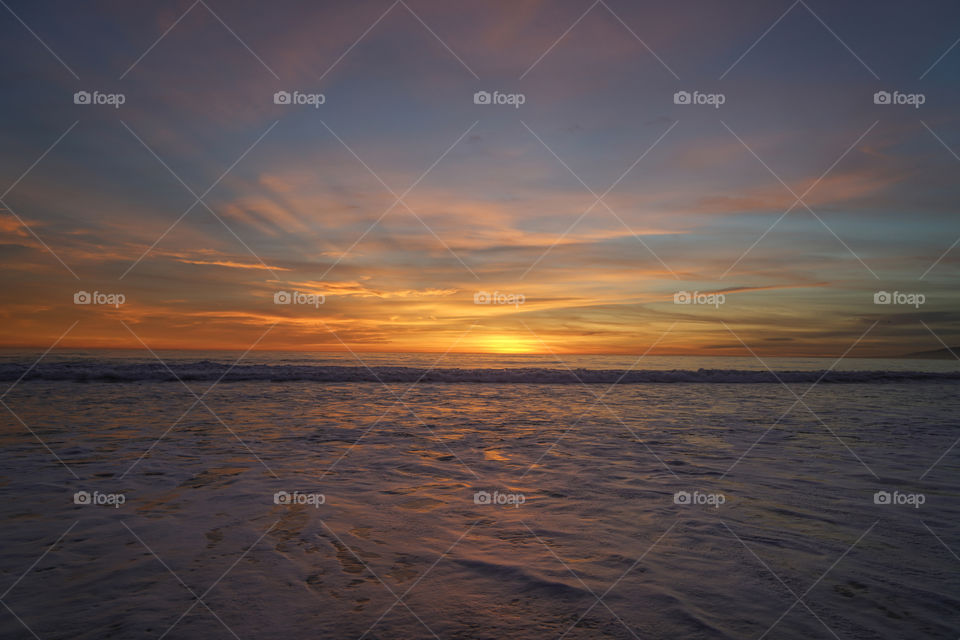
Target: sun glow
<point>508,344</point>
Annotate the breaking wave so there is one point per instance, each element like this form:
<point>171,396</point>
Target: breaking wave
<point>99,371</point>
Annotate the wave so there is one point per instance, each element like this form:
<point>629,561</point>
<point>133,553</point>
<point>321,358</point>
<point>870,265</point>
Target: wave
<point>99,371</point>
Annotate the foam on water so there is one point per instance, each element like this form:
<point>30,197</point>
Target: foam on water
<point>121,371</point>
<point>401,476</point>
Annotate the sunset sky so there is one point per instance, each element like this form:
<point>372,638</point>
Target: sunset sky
<point>493,197</point>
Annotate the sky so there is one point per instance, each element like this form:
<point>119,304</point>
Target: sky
<point>574,213</point>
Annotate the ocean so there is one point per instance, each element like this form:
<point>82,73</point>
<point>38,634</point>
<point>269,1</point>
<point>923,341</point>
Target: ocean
<point>478,496</point>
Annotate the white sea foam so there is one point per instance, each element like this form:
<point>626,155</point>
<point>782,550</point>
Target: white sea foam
<point>119,371</point>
